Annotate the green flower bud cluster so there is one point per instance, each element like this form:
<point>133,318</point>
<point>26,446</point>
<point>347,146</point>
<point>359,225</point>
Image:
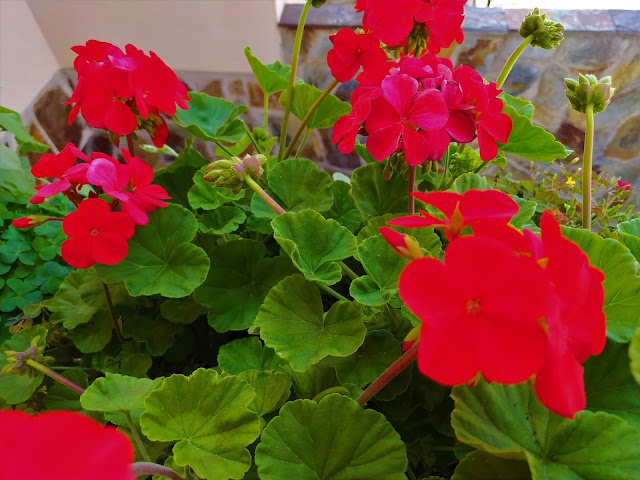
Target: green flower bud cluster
<point>546,34</point>
<point>589,90</point>
<point>231,173</point>
<point>417,40</point>
<point>318,3</point>
<point>18,360</point>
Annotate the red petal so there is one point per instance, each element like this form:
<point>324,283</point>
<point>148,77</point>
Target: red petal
<point>384,142</point>
<point>488,147</point>
<point>461,127</point>
<point>119,119</point>
<point>77,251</point>
<point>446,202</point>
<point>429,111</point>
<point>487,205</point>
<point>560,385</point>
<point>415,221</point>
<point>399,91</point>
<point>109,248</point>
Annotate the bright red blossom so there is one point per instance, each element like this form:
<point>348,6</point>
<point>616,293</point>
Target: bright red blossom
<point>97,235</point>
<point>62,446</point>
<point>351,51</point>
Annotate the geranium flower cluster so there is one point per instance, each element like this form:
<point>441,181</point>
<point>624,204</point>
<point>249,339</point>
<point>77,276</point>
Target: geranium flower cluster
<point>123,92</point>
<point>416,106</point>
<point>504,304</point>
<point>98,230</point>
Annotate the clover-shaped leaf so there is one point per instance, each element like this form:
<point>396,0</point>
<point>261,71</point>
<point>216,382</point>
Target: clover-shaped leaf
<point>161,258</point>
<point>115,392</point>
<point>292,322</point>
<point>315,244</point>
<point>212,119</point>
<point>209,417</point>
<point>332,439</point>
<point>238,281</point>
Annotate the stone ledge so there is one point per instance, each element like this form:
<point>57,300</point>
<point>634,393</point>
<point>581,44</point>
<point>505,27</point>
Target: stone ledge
<point>492,20</point>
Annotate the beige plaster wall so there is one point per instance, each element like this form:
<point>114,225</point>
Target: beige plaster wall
<point>26,61</point>
<point>188,35</point>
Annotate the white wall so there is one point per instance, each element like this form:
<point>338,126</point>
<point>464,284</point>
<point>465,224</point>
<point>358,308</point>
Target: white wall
<point>188,35</point>
<point>26,61</point>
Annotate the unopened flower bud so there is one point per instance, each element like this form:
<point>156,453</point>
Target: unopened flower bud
<point>31,221</point>
<point>404,245</point>
<point>589,90</point>
<point>318,3</point>
<point>546,34</point>
<point>253,165</point>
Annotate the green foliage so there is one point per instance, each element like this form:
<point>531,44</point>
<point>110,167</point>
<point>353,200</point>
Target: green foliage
<point>469,181</point>
<point>621,284</point>
<point>272,77</point>
<point>11,122</point>
<point>247,354</point>
<point>238,281</point>
<point>178,177</point>
<point>222,220</point>
<point>209,417</point>
<point>304,95</point>
<point>292,322</point>
<point>13,172</point>
<point>479,465</point>
<point>374,196</point>
<point>161,258</point>
<point>344,209</point>
<point>272,389</point>
<point>527,208</point>
<point>18,388</point>
<point>115,392</point>
<point>634,355</point>
<point>508,421</point>
<point>207,196</point>
<point>520,105</point>
<point>315,244</point>
<point>334,438</point>
<point>212,119</point>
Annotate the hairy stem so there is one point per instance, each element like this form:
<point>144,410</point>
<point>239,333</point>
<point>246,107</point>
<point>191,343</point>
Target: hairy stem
<point>56,376</point>
<point>265,113</point>
<point>412,187</point>
<point>587,161</point>
<point>294,68</point>
<point>350,273</point>
<point>136,436</point>
<point>389,374</point>
<point>308,116</point>
<point>148,468</point>
<point>264,195</point>
<point>330,291</point>
<point>112,312</point>
<point>225,149</point>
<point>512,60</point>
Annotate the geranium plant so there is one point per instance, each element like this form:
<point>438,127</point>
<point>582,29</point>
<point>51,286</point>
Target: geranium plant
<point>251,316</point>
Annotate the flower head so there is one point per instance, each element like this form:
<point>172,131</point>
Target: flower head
<point>351,51</point>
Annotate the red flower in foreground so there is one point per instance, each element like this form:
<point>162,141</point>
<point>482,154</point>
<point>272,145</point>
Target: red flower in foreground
<point>351,51</point>
<point>98,235</point>
<point>31,221</point>
<point>62,446</point>
<point>460,211</point>
<point>481,312</point>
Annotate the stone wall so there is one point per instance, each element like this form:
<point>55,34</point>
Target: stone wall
<point>599,42</point>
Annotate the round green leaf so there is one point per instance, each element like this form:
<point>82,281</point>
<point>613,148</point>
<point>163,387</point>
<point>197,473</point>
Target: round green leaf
<point>273,77</point>
<point>182,310</point>
<point>621,284</point>
<point>238,281</point>
<point>247,354</point>
<point>292,322</point>
<point>374,196</point>
<point>332,439</point>
<point>156,333</point>
<point>470,181</point>
<point>383,266</point>
<point>304,96</point>
<point>116,392</point>
<point>210,419</point>
<point>296,184</point>
<point>610,386</point>
<point>315,244</point>
<point>479,465</point>
<point>508,421</point>
<point>93,336</point>
<point>16,389</point>
<point>161,258</point>
<point>272,390</point>
<point>222,220</point>
<point>344,209</point>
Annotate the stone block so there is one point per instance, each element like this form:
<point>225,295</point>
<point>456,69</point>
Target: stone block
<point>53,118</point>
<point>214,88</point>
<point>626,144</point>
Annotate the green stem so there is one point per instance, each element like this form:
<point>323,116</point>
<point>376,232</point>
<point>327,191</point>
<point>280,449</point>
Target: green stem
<point>309,115</point>
<point>461,147</point>
<point>304,142</point>
<point>264,195</point>
<point>341,390</point>
<point>136,436</point>
<point>330,291</point>
<point>56,376</point>
<point>224,149</point>
<point>587,164</point>
<point>412,187</point>
<point>252,139</point>
<point>389,374</point>
<point>350,273</point>
<point>294,68</point>
<point>512,60</point>
<point>112,313</point>
<point>265,114</point>
<point>148,468</point>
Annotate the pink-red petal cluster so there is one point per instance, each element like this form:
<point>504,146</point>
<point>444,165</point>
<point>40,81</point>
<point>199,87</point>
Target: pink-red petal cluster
<point>62,446</point>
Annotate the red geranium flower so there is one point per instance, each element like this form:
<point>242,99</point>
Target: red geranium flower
<point>351,51</point>
<point>622,185</point>
<point>98,235</point>
<point>395,116</point>
<point>481,312</point>
<point>62,446</point>
<point>460,211</point>
<point>404,245</point>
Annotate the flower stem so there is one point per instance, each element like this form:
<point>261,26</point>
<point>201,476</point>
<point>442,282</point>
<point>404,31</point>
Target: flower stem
<point>253,140</point>
<point>56,376</point>
<point>412,187</point>
<point>112,312</point>
<point>136,436</point>
<point>130,146</point>
<point>389,374</point>
<point>264,195</point>
<point>294,67</point>
<point>225,149</point>
<point>303,143</point>
<point>265,113</point>
<point>350,273</point>
<point>148,468</point>
<point>587,165</point>
<point>340,390</point>
<point>512,60</point>
<point>330,291</point>
<point>308,116</point>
